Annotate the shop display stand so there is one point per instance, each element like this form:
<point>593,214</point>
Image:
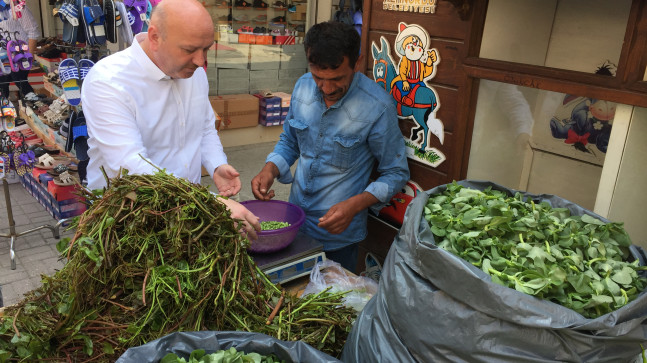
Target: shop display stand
<point>12,225</point>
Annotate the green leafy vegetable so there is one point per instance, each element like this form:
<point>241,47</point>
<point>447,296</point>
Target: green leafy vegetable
<point>271,225</point>
<point>230,355</point>
<point>578,262</point>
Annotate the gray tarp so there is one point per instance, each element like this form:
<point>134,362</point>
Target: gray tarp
<point>183,343</point>
<point>433,306</point>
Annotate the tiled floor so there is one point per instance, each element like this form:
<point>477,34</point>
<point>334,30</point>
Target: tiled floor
<point>36,252</point>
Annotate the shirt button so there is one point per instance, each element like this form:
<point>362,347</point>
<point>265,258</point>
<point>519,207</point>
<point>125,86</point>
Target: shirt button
<point>320,135</point>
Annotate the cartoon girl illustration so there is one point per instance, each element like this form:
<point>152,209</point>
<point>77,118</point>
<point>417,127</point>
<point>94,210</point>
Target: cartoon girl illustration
<point>415,65</point>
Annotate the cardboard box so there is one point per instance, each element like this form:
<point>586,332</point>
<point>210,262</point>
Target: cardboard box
<point>285,99</point>
<point>247,38</point>
<point>284,39</point>
<point>62,192</point>
<point>236,111</point>
<point>263,39</point>
<point>233,80</point>
<point>293,57</point>
<point>232,91</point>
<point>292,73</point>
<point>264,56</point>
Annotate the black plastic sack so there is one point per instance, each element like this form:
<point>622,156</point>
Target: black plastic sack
<point>183,343</point>
<point>433,306</point>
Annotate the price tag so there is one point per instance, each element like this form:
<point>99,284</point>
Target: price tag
<point>142,16</point>
<point>73,21</point>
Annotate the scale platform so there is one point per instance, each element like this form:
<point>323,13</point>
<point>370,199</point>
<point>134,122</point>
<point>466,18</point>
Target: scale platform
<point>294,261</point>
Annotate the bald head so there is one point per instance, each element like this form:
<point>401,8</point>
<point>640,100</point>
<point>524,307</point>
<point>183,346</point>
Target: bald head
<point>181,15</point>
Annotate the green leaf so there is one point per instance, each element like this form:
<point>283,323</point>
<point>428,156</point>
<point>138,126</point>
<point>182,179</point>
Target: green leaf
<point>612,287</point>
<point>170,358</point>
<point>588,219</point>
<point>440,232</point>
<point>623,276</point>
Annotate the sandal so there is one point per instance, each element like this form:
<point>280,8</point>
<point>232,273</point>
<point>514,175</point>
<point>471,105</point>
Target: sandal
<point>58,170</point>
<point>45,161</point>
<point>65,179</point>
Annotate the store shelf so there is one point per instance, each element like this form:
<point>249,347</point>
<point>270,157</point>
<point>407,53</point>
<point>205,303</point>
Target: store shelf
<point>49,136</point>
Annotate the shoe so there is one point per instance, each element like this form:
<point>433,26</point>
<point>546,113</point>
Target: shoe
<point>260,18</point>
<point>241,18</point>
<point>279,5</point>
<point>260,4</point>
<point>242,4</point>
<point>292,9</point>
<point>31,96</point>
<point>373,267</point>
<point>278,19</point>
<point>275,32</point>
<point>300,28</point>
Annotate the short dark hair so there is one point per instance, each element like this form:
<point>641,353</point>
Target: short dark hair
<point>326,44</point>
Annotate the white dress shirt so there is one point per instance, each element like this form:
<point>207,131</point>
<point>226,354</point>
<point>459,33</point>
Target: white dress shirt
<point>131,108</point>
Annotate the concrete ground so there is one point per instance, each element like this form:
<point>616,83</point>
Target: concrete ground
<point>36,252</point>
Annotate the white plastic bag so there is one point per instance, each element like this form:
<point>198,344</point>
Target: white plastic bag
<point>329,273</point>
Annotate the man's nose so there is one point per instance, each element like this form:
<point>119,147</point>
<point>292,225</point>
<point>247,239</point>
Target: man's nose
<point>327,87</point>
<point>200,58</point>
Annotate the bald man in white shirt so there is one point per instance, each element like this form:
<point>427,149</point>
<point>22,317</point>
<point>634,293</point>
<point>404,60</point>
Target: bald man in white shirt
<point>151,99</point>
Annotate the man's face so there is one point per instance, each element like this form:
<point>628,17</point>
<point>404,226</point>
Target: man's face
<point>181,53</point>
<point>333,83</point>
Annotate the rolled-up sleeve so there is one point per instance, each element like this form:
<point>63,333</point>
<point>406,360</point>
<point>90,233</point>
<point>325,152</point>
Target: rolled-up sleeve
<point>29,24</point>
<point>387,145</point>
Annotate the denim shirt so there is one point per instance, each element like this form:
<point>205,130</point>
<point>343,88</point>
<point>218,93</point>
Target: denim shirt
<point>337,148</point>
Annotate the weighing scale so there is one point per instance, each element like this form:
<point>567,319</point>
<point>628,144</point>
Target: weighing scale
<point>296,260</point>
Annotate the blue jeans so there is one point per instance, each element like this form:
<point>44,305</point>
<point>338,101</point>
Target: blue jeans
<point>346,257</point>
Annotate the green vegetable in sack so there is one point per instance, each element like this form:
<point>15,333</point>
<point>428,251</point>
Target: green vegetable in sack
<point>578,262</point>
<point>230,355</point>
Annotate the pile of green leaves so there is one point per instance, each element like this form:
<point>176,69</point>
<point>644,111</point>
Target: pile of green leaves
<point>578,262</point>
<point>154,255</point>
<point>271,225</point>
<point>230,355</point>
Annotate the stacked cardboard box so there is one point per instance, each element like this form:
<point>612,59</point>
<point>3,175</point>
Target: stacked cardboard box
<point>233,81</point>
<point>285,103</point>
<point>261,81</point>
<point>232,55</point>
<point>235,111</point>
<point>269,110</point>
<point>293,65</point>
<point>264,57</point>
<point>60,201</point>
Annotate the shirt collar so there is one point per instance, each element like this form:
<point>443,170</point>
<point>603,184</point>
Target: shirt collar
<point>150,69</point>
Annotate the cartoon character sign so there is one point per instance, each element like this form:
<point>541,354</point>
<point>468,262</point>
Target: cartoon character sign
<point>590,122</point>
<point>394,210</point>
<point>414,98</point>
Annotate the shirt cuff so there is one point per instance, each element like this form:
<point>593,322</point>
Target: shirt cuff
<point>285,175</point>
<point>381,192</point>
<point>210,166</point>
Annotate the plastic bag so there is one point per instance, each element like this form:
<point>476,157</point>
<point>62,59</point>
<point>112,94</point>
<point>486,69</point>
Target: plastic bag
<point>333,275</point>
<point>433,306</point>
<point>183,343</point>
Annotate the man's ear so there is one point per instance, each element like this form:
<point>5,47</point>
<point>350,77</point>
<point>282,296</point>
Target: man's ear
<point>358,63</point>
<point>154,37</point>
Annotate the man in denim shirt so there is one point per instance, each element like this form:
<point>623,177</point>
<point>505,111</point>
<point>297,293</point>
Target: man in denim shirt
<point>339,125</point>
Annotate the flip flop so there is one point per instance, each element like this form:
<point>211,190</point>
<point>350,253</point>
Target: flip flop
<point>66,179</point>
<point>136,14</point>
<point>8,110</point>
<point>84,67</point>
<point>149,11</point>
<point>8,123</point>
<point>109,11</point>
<point>69,73</point>
<point>58,170</point>
<point>24,162</point>
<point>69,143</point>
<point>27,58</point>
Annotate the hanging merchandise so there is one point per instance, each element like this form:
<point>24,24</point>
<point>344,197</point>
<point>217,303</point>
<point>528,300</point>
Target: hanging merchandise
<point>136,14</point>
<point>112,19</point>
<point>94,22</point>
<point>124,28</point>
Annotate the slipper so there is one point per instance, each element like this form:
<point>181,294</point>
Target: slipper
<point>69,15</point>
<point>65,126</point>
<point>94,22</point>
<point>45,161</point>
<point>80,137</point>
<point>58,170</point>
<point>84,67</point>
<point>136,14</point>
<point>8,123</point>
<point>109,11</point>
<point>65,179</point>
<point>13,52</point>
<point>7,107</point>
<point>69,143</point>
<point>149,11</point>
<point>27,59</point>
<point>69,73</point>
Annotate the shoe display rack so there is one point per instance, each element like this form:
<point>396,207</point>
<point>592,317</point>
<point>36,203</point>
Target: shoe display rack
<point>275,18</point>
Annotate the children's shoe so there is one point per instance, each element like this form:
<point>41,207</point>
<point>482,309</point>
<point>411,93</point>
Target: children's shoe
<point>373,267</point>
<point>275,32</point>
<point>292,9</point>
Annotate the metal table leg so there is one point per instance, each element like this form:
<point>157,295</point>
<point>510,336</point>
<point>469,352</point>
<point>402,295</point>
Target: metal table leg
<point>12,226</point>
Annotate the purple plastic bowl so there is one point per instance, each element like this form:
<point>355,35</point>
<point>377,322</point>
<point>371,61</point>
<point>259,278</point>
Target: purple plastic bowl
<point>279,211</point>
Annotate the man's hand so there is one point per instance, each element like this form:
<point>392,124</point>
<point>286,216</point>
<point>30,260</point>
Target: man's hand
<point>250,223</point>
<point>263,181</point>
<point>339,216</point>
<point>227,180</point>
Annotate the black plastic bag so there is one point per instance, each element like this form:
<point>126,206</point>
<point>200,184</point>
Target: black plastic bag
<point>433,306</point>
<point>183,343</point>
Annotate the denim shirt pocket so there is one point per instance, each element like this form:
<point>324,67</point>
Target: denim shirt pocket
<point>301,130</point>
<point>343,149</point>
